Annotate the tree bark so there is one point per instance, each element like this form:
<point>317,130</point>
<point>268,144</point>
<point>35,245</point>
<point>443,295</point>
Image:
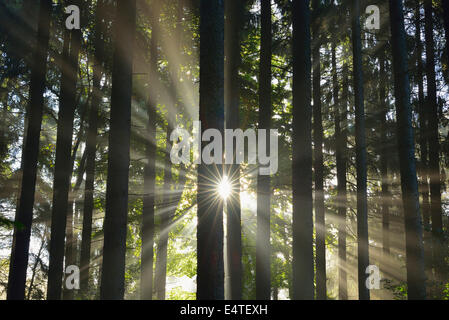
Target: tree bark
<point>409,183</point>
<point>434,145</point>
<point>234,25</point>
<point>24,213</point>
<point>63,168</point>
<point>147,255</point>
<point>423,164</point>
<point>263,250</point>
<point>385,191</point>
<point>303,264</point>
<point>362,201</point>
<point>115,222</point>
<point>210,270</point>
<point>91,148</point>
<point>318,163</point>
<point>341,161</point>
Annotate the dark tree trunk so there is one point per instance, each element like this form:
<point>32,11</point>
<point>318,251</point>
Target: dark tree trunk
<point>234,21</point>
<point>434,145</point>
<point>318,163</point>
<point>210,272</point>
<point>4,123</point>
<point>63,168</point>
<point>24,213</point>
<point>362,202</point>
<point>115,222</point>
<point>423,164</point>
<point>409,183</point>
<point>91,148</point>
<point>263,250</point>
<point>303,265</point>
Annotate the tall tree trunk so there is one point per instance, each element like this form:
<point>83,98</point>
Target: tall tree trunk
<point>263,250</point>
<point>434,145</point>
<point>303,265</point>
<point>115,222</point>
<point>210,270</point>
<point>170,200</point>
<point>409,183</point>
<point>384,154</point>
<point>340,155</point>
<point>147,255</point>
<point>342,143</point>
<point>423,164</point>
<point>24,213</point>
<point>91,148</point>
<point>318,163</point>
<point>234,25</point>
<point>362,202</point>
<point>63,168</point>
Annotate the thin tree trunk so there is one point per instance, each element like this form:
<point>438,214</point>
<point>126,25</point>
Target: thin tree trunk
<point>384,154</point>
<point>4,123</point>
<point>303,265</point>
<point>146,265</point>
<point>170,201</point>
<point>434,145</point>
<point>263,250</point>
<point>234,21</point>
<point>409,183</point>
<point>318,163</point>
<point>70,246</point>
<point>71,239</point>
<point>340,156</point>
<point>24,213</point>
<point>343,192</point>
<point>115,222</point>
<point>36,263</point>
<point>63,169</point>
<point>210,272</point>
<point>362,202</point>
<point>166,217</point>
<point>423,164</point>
<point>91,148</point>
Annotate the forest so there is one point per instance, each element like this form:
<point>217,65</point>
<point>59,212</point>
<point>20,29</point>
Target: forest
<point>224,149</point>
